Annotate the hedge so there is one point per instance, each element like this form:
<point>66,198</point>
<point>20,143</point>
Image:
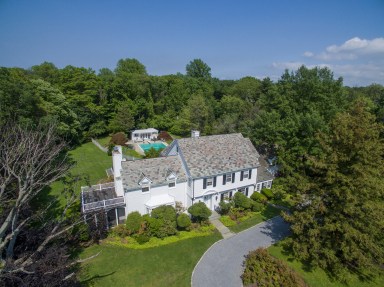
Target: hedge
<point>262,269</point>
<point>268,193</point>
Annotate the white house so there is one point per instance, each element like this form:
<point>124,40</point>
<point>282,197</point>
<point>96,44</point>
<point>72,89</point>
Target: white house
<point>146,134</point>
<point>199,169</point>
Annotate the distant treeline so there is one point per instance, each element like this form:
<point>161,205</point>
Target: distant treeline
<point>281,118</point>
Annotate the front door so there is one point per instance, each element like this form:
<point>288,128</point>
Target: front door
<point>208,201</point>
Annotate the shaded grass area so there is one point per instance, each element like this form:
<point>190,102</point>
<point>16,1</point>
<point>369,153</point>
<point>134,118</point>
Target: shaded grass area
<point>318,277</point>
<point>267,213</point>
<point>131,152</point>
<point>169,265</point>
<point>287,202</point>
<point>104,141</point>
<point>89,161</point>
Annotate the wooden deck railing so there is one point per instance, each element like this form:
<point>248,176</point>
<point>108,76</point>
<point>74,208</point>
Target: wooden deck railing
<point>104,204</point>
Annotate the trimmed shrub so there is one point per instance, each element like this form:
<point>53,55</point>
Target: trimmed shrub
<point>225,207</point>
<point>121,231</point>
<point>183,221</point>
<point>142,238</point>
<point>159,227</point>
<point>241,201</point>
<point>119,138</point>
<point>262,269</point>
<point>199,211</point>
<point>256,196</point>
<point>257,206</point>
<point>268,193</point>
<point>165,212</point>
<point>133,222</point>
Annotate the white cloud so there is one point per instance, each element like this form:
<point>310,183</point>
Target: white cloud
<point>353,49</point>
<point>287,65</point>
<point>359,61</point>
<point>308,54</point>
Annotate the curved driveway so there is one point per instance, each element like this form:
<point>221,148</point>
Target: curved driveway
<point>222,264</point>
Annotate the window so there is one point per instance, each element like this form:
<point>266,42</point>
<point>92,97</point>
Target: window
<point>258,187</point>
<point>209,181</point>
<point>246,174</point>
<point>145,189</point>
<point>171,184</point>
<point>228,177</point>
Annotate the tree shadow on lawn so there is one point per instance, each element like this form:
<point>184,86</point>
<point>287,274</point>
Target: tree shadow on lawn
<point>93,279</point>
<point>276,228</point>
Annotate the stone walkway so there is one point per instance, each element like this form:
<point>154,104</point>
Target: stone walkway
<point>225,232</point>
<point>222,264</point>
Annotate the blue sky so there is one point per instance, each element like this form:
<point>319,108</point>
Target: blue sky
<point>235,38</point>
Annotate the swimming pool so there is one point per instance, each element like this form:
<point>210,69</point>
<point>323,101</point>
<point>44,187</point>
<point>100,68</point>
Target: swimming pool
<point>156,146</point>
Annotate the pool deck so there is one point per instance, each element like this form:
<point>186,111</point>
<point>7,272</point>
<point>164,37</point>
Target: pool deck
<point>138,149</point>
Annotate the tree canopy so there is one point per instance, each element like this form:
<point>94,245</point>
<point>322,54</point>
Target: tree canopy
<point>337,222</point>
<point>198,69</point>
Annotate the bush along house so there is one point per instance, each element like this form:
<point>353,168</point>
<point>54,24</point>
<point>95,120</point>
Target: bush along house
<point>205,169</point>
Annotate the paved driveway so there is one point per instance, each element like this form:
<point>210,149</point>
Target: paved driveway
<point>222,266</point>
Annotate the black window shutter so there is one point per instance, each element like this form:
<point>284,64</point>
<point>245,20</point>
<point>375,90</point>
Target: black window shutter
<point>222,197</point>
<point>246,191</point>
<point>204,183</point>
<point>214,181</point>
<point>250,173</point>
<point>224,179</point>
<point>230,194</point>
<point>242,175</point>
<point>233,177</point>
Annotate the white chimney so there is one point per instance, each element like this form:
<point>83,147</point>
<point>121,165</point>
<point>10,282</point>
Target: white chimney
<point>117,158</point>
<point>195,134</point>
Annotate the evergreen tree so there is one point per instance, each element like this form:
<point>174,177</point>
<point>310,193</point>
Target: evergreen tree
<point>337,223</point>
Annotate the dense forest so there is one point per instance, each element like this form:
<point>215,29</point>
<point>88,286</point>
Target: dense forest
<point>327,138</point>
<point>281,118</point>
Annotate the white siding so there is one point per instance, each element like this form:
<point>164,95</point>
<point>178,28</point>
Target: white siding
<point>136,200</point>
<point>211,195</point>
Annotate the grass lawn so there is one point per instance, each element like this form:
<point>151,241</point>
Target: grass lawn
<point>131,152</point>
<point>317,277</point>
<point>283,202</point>
<point>169,265</point>
<point>104,141</point>
<point>88,159</point>
<point>267,213</point>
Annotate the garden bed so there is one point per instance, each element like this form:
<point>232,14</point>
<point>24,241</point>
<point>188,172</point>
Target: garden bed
<point>130,242</point>
<point>250,219</point>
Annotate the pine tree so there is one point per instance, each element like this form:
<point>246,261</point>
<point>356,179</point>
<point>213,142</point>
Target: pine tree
<point>338,220</point>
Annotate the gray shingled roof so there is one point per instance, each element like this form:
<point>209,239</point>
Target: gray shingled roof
<point>218,154</point>
<point>156,169</point>
<point>262,172</point>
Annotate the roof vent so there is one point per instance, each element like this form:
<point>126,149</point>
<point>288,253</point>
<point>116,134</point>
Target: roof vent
<point>195,134</point>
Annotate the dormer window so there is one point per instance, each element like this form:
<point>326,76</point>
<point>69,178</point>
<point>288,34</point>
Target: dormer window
<point>171,178</point>
<point>145,184</point>
<point>172,184</point>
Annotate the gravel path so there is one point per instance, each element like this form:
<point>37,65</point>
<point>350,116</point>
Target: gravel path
<point>222,266</point>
